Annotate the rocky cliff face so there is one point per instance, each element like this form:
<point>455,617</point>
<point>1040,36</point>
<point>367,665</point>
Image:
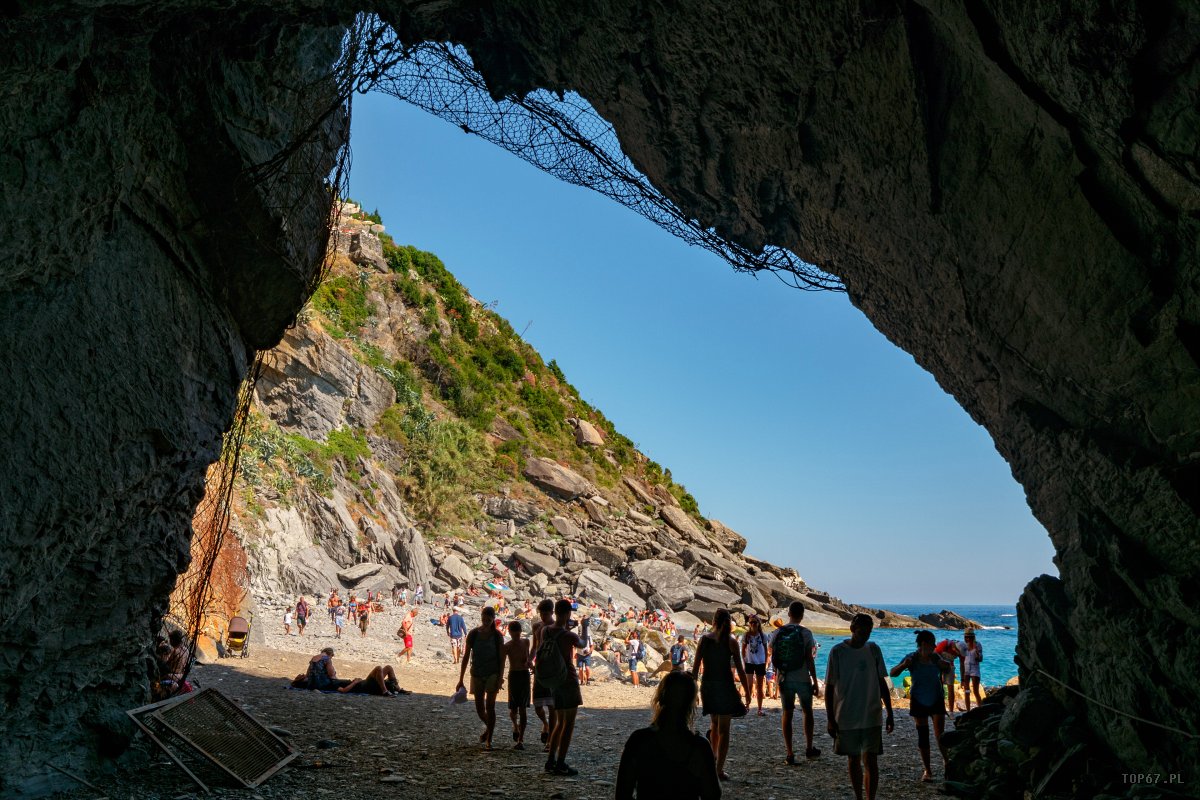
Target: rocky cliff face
<point>394,368</point>
<point>129,312</point>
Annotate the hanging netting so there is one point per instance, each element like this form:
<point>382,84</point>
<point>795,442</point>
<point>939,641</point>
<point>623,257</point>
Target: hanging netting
<point>560,134</point>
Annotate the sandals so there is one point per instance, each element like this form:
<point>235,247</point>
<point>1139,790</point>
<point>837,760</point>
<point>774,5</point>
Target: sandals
<point>812,752</point>
<point>790,760</point>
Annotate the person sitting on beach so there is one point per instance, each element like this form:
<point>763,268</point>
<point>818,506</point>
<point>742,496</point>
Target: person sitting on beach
<point>970,654</point>
<point>928,671</point>
<point>321,675</point>
<point>516,653</point>
<point>668,759</point>
<point>792,658</point>
<point>483,654</point>
<point>854,689</point>
<point>719,695</point>
<point>381,682</point>
<point>948,649</point>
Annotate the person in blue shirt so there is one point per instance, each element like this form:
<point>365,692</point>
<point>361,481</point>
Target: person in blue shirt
<point>456,629</point>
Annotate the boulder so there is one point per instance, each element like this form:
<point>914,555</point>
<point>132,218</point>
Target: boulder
<point>455,571</point>
<point>751,596</point>
<point>595,585</point>
<point>726,537</point>
<point>640,490</point>
<point>586,434</point>
<point>714,592</point>
<point>520,512</point>
<point>410,555</point>
<point>533,562</point>
<point>308,571</point>
<point>780,592</point>
<point>662,578</point>
<point>366,250</point>
<point>384,580</point>
<point>572,553</point>
<point>538,583</point>
<point>352,575</point>
<point>504,431</point>
<point>679,520</point>
<point>704,610</point>
<point>639,517</point>
<point>605,556</point>
<point>556,479</point>
<point>567,529</point>
<point>310,384</point>
<point>595,511</point>
<point>948,620</point>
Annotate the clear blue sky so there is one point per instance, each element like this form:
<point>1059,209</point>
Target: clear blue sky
<point>786,414</point>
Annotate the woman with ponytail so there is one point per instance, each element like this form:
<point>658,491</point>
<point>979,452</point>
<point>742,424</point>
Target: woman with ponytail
<point>668,759</point>
<point>717,654</point>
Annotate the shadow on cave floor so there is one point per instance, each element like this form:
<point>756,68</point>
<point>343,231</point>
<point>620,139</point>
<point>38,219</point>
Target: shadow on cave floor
<point>435,747</point>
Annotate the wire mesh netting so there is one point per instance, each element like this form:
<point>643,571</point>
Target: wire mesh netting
<point>558,133</point>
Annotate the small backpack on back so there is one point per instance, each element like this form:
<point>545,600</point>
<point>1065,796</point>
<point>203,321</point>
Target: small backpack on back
<point>550,667</point>
<point>789,652</point>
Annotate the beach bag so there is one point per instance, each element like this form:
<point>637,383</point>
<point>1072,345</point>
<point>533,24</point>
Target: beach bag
<point>550,668</point>
<point>789,648</point>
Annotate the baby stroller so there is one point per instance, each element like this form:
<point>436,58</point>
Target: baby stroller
<point>237,639</point>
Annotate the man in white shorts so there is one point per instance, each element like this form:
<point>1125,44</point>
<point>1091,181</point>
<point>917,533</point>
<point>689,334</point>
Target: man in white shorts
<point>855,683</point>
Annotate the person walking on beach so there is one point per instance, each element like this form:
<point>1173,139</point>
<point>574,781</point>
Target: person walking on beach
<point>543,698</point>
<point>854,688</point>
<point>339,620</point>
<point>301,615</point>
<point>633,653</point>
<point>754,656</point>
<point>948,649</point>
<point>406,633</point>
<point>419,595</point>
<point>364,617</point>
<point>718,695</point>
<point>516,653</point>
<point>927,702</point>
<point>792,657</point>
<point>287,621</point>
<point>482,655</point>
<point>668,759</point>
<point>679,655</point>
<point>332,603</point>
<point>456,629</point>
<point>970,654</point>
<point>563,681</point>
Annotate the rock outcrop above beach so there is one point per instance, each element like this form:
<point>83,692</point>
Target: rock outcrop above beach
<point>949,620</point>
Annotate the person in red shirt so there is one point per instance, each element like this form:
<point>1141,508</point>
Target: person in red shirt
<point>948,650</point>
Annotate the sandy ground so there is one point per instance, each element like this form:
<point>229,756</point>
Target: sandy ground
<point>417,746</point>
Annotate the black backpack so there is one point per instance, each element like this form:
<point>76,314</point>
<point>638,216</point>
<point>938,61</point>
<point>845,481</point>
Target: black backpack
<point>550,667</point>
<point>788,653</point>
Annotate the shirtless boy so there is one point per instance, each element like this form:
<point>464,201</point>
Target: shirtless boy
<point>516,653</point>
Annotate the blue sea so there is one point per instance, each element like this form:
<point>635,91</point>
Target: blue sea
<point>999,646</point>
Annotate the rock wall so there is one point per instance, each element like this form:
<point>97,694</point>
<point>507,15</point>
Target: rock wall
<point>129,312</point>
<point>1010,193</point>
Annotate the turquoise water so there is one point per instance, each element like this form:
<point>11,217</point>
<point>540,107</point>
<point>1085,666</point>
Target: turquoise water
<point>999,646</point>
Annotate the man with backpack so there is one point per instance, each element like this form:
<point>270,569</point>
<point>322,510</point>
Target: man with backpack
<point>556,671</point>
<point>792,656</point>
<point>679,655</point>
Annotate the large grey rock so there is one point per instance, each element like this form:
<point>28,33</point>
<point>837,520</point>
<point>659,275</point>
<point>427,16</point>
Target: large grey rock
<point>726,537</point>
<point>595,511</point>
<point>679,520</point>
<point>411,556</point>
<point>640,490</point>
<point>366,249</point>
<point>534,562</point>
<point>606,556</point>
<point>455,571</point>
<point>656,577</point>
<point>704,610</point>
<point>586,434</point>
<point>352,575</point>
<point>595,585</point>
<point>518,511</point>
<point>556,479</point>
<point>312,385</point>
<point>566,529</point>
<point>715,593</point>
<point>752,596</point>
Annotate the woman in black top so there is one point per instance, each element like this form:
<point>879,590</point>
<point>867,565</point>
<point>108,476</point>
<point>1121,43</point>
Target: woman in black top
<point>668,759</point>
<point>716,654</point>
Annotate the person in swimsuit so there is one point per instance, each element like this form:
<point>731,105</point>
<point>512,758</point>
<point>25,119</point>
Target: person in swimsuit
<point>718,694</point>
<point>406,633</point>
<point>928,671</point>
<point>516,653</point>
<point>321,675</point>
<point>381,682</point>
<point>668,759</point>
<point>970,654</point>
<point>482,654</point>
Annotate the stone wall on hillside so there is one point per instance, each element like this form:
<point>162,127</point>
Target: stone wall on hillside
<point>1009,193</point>
<point>130,309</point>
